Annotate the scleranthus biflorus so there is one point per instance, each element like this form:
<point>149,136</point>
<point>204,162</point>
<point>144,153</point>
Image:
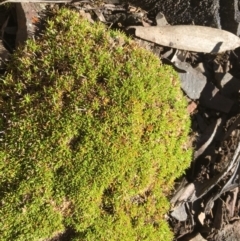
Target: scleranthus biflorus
<point>94,135</point>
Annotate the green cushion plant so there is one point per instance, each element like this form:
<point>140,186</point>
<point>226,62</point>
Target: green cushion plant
<point>93,135</point>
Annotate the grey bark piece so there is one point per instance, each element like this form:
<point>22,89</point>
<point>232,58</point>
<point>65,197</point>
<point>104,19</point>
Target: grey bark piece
<point>231,202</point>
<point>99,14</point>
<point>179,213</point>
<point>229,84</point>
<point>218,217</point>
<point>183,194</point>
<point>192,81</point>
<point>212,98</point>
<point>202,68</point>
<point>27,16</point>
<point>230,16</point>
<point>4,54</point>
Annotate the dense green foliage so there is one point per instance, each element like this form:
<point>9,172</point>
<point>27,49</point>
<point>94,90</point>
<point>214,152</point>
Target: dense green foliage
<point>93,134</point>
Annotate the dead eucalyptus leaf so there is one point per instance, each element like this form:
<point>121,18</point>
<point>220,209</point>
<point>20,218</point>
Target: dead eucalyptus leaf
<point>189,37</point>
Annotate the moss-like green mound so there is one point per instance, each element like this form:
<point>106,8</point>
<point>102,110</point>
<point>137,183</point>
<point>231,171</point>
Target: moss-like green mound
<point>93,133</point>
